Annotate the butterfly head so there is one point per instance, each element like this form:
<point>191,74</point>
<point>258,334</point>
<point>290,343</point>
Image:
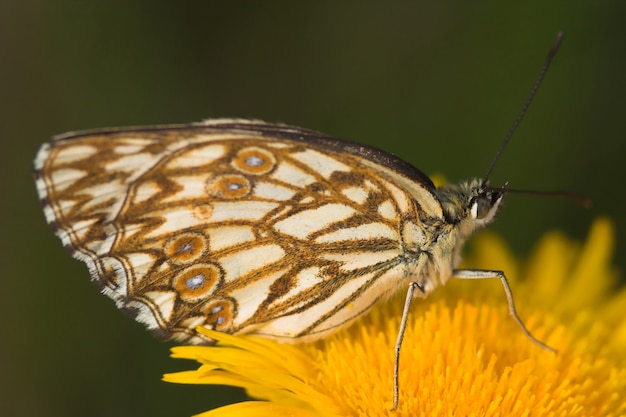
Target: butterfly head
<point>470,205</point>
<point>484,203</point>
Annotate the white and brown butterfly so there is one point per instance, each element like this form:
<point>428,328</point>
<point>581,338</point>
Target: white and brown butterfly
<point>252,228</point>
<point>248,227</point>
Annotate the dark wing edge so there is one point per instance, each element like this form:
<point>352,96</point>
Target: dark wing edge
<point>264,129</point>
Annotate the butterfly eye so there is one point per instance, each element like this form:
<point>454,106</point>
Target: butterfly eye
<point>482,207</point>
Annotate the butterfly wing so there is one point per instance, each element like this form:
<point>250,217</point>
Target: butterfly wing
<point>239,226</point>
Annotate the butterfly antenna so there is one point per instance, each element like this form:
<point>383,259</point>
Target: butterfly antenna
<point>531,96</point>
<point>577,198</point>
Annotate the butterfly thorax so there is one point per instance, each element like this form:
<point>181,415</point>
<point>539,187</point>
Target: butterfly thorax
<point>467,207</point>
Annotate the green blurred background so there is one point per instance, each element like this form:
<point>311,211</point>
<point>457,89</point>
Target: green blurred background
<point>436,82</point>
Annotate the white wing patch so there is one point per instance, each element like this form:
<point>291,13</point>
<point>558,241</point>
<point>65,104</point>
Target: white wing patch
<point>145,191</point>
<point>64,178</point>
<point>249,210</point>
<point>228,236</point>
<point>363,231</point>
<point>289,174</point>
<point>351,261</point>
<point>302,224</point>
<point>164,300</point>
<point>320,163</point>
<point>246,261</point>
<point>270,191</point>
<point>196,157</point>
<point>74,154</point>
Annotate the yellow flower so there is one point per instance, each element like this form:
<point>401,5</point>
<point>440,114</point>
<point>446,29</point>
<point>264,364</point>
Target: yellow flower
<point>462,354</point>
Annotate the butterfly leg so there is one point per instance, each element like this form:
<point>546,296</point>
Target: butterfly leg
<point>405,314</point>
<point>484,274</point>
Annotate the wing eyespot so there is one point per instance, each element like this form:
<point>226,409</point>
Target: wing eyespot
<point>254,160</point>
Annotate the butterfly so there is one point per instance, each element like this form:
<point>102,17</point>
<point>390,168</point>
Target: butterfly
<point>247,227</point>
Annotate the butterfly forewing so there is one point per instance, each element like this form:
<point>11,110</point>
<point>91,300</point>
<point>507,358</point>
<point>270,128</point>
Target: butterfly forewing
<point>242,227</point>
